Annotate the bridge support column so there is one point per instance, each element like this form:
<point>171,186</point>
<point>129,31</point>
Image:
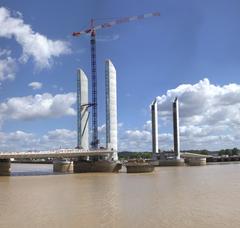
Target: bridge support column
<point>96,165</point>
<point>62,166</point>
<point>5,166</point>
<point>196,161</point>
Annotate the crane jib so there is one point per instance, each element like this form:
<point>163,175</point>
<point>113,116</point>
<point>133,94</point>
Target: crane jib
<point>106,25</point>
<point>115,22</point>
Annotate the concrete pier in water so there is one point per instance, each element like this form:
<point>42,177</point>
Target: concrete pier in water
<point>62,166</point>
<point>197,161</point>
<point>173,162</point>
<point>86,166</point>
<point>5,167</point>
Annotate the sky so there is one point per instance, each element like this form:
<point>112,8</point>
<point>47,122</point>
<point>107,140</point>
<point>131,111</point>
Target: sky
<point>191,51</point>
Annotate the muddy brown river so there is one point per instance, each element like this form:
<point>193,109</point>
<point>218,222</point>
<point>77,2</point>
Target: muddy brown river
<point>170,197</point>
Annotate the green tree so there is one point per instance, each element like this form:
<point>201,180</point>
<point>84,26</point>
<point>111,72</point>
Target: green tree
<point>235,151</point>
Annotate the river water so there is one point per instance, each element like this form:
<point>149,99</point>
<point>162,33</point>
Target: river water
<point>178,197</point>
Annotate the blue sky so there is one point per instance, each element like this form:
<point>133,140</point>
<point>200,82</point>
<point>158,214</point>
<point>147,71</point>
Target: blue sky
<point>190,41</point>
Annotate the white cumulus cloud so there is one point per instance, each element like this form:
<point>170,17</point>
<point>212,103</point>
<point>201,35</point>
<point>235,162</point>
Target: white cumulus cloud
<point>35,85</point>
<point>34,44</point>
<point>203,103</point>
<point>24,141</point>
<point>60,138</point>
<point>38,106</point>
<point>7,65</point>
<point>18,140</point>
<point>60,135</point>
<point>209,114</point>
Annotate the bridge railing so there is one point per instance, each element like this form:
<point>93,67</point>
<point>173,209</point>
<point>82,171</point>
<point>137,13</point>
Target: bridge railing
<point>54,153</point>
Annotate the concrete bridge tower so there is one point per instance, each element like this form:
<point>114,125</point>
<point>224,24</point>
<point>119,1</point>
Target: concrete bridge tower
<point>176,137</point>
<point>111,108</point>
<point>154,115</point>
<point>82,110</point>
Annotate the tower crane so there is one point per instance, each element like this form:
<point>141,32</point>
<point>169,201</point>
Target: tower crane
<point>92,30</point>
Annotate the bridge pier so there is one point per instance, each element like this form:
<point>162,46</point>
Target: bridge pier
<point>5,167</point>
<point>196,161</point>
<point>173,162</point>
<point>62,166</point>
<point>96,164</point>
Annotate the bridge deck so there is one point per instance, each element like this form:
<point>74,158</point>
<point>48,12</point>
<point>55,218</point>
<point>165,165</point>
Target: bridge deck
<point>61,153</point>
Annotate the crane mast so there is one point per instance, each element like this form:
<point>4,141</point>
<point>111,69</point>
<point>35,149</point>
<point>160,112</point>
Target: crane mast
<point>95,140</point>
<point>92,31</point>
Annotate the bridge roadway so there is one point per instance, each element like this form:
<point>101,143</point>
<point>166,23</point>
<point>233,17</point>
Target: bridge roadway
<point>60,153</point>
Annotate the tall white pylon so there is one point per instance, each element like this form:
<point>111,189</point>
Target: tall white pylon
<point>111,109</point>
<point>154,115</point>
<point>82,110</point>
<point>176,137</point>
